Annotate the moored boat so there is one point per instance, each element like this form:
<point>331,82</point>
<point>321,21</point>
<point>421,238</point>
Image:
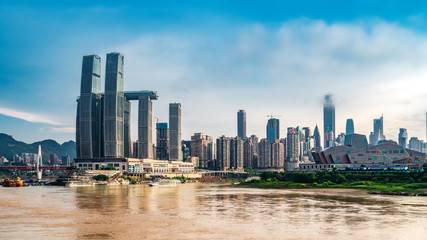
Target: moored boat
<point>14,183</point>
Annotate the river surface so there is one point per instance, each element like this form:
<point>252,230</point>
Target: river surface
<point>203,211</point>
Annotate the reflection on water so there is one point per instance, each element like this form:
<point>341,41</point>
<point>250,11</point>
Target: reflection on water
<point>197,211</point>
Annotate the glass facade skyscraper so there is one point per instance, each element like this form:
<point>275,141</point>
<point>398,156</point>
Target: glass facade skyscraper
<point>89,111</point>
<point>114,106</point>
<point>328,120</point>
<point>175,132</point>
<point>273,130</point>
<point>349,127</point>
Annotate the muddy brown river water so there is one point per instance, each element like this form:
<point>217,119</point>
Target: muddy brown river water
<point>206,211</point>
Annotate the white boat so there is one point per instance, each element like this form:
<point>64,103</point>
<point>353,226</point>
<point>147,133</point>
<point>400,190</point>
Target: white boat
<point>164,182</point>
<point>79,184</point>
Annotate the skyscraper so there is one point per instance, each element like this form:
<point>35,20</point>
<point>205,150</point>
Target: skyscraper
<point>403,137</point>
<point>273,129</point>
<point>89,110</point>
<point>199,147</point>
<point>349,127</point>
<point>264,157</point>
<point>277,155</point>
<point>236,153</point>
<point>114,106</point>
<point>223,153</point>
<point>328,119</point>
<point>162,151</point>
<point>241,124</point>
<point>378,130</point>
<point>248,153</point>
<point>307,133</point>
<point>316,136</point>
<point>293,145</point>
<point>175,132</point>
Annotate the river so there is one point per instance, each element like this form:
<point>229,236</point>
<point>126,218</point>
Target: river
<point>206,211</point>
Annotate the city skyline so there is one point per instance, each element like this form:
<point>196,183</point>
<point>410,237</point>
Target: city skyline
<point>361,58</point>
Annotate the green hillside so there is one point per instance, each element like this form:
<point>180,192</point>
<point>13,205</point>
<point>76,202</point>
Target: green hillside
<point>9,146</point>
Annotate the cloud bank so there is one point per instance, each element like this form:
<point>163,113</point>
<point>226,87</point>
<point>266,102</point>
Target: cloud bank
<point>372,67</point>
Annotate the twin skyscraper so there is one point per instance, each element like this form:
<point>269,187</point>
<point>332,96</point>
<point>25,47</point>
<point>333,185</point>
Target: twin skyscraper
<point>103,126</point>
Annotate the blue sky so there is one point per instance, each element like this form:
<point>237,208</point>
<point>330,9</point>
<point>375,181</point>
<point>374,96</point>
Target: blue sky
<point>216,57</point>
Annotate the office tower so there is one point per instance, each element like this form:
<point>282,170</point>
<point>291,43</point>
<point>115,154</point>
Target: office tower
<point>241,123</point>
<point>378,130</point>
<point>162,151</point>
<point>186,150</point>
<point>372,140</point>
<point>223,153</point>
<point>328,119</point>
<point>114,106</point>
<point>403,137</point>
<point>293,145</point>
<point>145,122</point>
<point>89,111</point>
<point>277,156</point>
<point>236,153</point>
<point>211,151</point>
<point>199,149</point>
<point>349,127</point>
<point>264,156</point>
<point>135,149</point>
<point>175,132</point>
<point>316,136</point>
<point>273,129</point>
<point>127,130</point>
<point>307,132</point>
<point>255,142</point>
<point>248,153</point>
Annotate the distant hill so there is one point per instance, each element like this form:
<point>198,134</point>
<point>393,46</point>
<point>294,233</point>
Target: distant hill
<point>9,147</point>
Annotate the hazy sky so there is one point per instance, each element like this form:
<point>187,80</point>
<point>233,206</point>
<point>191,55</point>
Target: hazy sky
<point>216,57</point>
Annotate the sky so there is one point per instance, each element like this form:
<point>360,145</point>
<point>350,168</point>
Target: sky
<point>216,57</point>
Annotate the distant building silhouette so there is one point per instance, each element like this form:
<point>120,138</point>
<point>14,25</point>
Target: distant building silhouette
<point>378,130</point>
<point>403,137</point>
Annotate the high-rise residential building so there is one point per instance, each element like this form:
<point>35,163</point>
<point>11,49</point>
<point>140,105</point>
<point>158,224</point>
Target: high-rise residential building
<point>223,153</point>
<point>316,136</point>
<point>241,124</point>
<point>175,132</point>
<point>162,151</point>
<point>277,156</point>
<point>328,119</point>
<point>264,156</point>
<point>283,142</point>
<point>199,147</point>
<point>416,144</point>
<point>293,145</point>
<point>307,132</point>
<point>114,106</point>
<point>378,130</point>
<point>403,137</point>
<point>349,127</point>
<point>273,130</point>
<point>248,153</point>
<point>329,139</point>
<point>255,142</point>
<point>211,152</point>
<point>236,153</point>
<point>89,110</point>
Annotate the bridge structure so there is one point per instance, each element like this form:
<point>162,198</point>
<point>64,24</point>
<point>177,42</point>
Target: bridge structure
<point>32,168</point>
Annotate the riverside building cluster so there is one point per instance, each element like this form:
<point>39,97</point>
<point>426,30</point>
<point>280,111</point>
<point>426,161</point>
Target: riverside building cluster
<point>103,139</point>
<point>103,124</point>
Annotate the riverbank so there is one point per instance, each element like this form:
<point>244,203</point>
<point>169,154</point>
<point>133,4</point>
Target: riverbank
<point>411,189</point>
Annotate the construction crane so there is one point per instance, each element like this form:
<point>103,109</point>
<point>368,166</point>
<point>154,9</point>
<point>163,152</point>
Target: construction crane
<point>158,119</point>
<point>272,116</point>
<point>409,157</point>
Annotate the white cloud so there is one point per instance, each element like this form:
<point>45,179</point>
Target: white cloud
<point>58,129</point>
<point>371,67</point>
<point>27,116</point>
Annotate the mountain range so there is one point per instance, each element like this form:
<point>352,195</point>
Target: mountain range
<point>9,147</point>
